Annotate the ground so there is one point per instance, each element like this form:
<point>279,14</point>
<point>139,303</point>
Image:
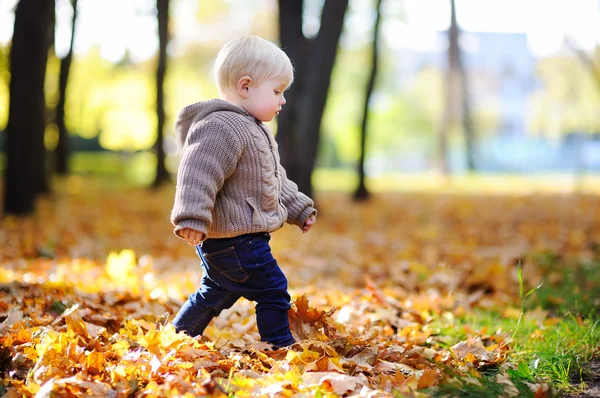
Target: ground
<point>414,293</point>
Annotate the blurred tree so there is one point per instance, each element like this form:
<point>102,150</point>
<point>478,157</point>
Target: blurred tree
<point>162,175</point>
<point>455,75</point>
<point>361,192</point>
<point>25,175</point>
<point>590,62</point>
<point>299,126</point>
<point>467,120</point>
<point>62,148</point>
<point>568,99</point>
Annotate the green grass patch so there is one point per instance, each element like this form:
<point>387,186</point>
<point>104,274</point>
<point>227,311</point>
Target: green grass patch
<point>568,288</point>
<point>135,168</point>
<point>553,341</point>
<point>139,169</point>
<point>487,386</point>
<point>554,350</point>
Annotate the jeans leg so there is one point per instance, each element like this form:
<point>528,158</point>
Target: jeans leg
<point>271,296</point>
<point>273,324</point>
<point>202,306</point>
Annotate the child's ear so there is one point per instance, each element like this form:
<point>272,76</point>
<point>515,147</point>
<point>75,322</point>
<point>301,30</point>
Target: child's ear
<point>242,86</point>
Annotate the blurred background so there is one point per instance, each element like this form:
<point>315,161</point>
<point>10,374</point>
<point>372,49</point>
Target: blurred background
<point>388,92</point>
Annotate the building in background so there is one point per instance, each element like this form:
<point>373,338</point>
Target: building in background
<point>502,76</point>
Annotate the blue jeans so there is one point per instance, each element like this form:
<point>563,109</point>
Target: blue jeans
<point>239,267</point>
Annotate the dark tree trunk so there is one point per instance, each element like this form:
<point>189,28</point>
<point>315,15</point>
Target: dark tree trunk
<point>62,149</point>
<point>162,175</point>
<point>296,47</point>
<point>314,64</point>
<point>25,152</point>
<point>458,66</point>
<point>362,193</point>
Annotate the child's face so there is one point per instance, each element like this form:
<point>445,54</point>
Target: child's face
<point>265,100</point>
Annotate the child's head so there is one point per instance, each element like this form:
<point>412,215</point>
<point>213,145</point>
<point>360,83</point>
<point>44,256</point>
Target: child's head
<point>254,57</point>
<point>253,73</point>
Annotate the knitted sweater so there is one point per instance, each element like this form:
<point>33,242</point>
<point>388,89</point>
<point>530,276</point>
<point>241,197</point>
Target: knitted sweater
<point>230,181</point>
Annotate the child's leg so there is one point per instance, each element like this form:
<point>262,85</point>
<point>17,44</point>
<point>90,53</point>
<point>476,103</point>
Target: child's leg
<point>202,306</point>
<point>245,265</point>
<point>272,298</point>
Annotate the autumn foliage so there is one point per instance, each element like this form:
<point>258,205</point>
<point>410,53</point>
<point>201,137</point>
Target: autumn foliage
<point>89,286</point>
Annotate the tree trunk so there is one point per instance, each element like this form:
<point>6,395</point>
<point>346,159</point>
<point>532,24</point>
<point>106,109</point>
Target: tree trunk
<point>311,96</point>
<point>296,46</point>
<point>162,175</point>
<point>62,149</point>
<point>362,193</point>
<point>456,82</point>
<point>25,152</point>
<point>449,110</point>
<point>467,121</point>
<point>441,159</point>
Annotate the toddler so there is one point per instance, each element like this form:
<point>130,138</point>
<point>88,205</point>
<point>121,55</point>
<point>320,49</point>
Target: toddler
<point>232,191</point>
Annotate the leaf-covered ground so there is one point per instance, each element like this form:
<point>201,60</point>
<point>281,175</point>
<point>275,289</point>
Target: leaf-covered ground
<point>407,295</point>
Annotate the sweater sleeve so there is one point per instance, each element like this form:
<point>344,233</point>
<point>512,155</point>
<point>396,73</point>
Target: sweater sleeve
<point>210,154</point>
<point>298,205</point>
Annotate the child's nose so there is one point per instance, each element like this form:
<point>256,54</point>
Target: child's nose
<point>282,101</point>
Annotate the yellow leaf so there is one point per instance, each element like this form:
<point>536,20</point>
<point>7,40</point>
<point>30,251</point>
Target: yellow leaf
<point>120,265</point>
<point>8,341</point>
<point>77,325</point>
<point>95,361</point>
<point>24,336</point>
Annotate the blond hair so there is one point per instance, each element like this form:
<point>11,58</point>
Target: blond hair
<point>251,56</point>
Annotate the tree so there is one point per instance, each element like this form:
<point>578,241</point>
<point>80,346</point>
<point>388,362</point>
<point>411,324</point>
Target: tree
<point>588,61</point>
<point>299,126</point>
<point>568,98</point>
<point>593,67</point>
<point>361,192</point>
<point>467,120</point>
<point>456,81</point>
<point>25,152</point>
<point>62,148</point>
<point>162,175</point>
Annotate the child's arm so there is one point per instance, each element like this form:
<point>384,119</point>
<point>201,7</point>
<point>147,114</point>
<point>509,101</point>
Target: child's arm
<point>209,156</point>
<point>299,206</point>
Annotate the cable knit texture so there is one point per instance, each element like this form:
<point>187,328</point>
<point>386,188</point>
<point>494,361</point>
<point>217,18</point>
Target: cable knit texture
<point>230,181</point>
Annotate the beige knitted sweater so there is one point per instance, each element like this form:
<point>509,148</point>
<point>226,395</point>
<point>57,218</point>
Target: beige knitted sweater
<point>230,181</point>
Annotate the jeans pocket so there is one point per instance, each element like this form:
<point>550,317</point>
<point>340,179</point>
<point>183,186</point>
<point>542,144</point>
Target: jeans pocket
<point>227,263</point>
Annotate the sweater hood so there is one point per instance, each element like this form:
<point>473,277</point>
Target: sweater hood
<point>200,110</point>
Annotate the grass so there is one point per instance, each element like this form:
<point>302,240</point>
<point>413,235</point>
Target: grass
<point>555,351</point>
<point>569,288</point>
<point>556,354</point>
<point>485,387</point>
<point>139,168</point>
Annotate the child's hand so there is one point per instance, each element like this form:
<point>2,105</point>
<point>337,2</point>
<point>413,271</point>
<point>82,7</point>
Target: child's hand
<point>192,236</point>
<point>309,222</point>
